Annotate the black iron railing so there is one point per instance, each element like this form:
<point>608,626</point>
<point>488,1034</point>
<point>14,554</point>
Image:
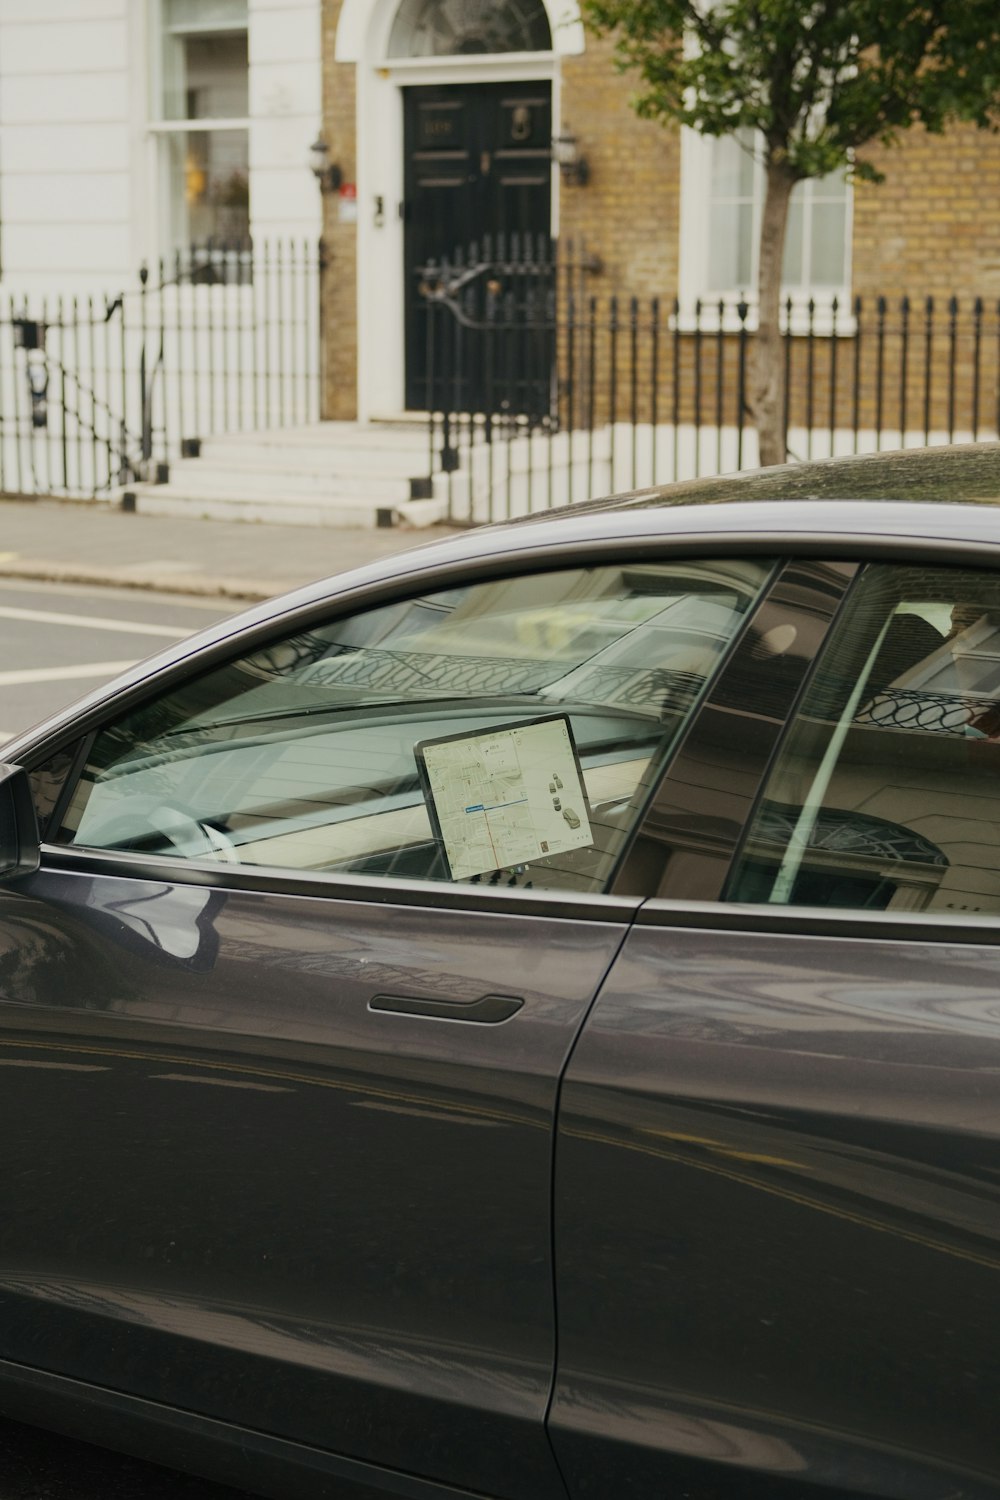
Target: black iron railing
<point>97,392</point>
<point>577,392</point>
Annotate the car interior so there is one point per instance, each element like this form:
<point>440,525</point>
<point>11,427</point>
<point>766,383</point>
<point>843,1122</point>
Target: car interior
<point>305,756</point>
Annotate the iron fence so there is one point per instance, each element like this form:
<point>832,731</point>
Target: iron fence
<point>641,391</point>
<point>540,387</point>
<point>98,392</point>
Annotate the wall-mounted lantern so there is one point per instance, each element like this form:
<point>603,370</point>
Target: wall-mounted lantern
<point>567,157</point>
<point>327,173</point>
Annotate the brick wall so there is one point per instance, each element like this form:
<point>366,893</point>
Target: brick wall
<point>933,226</point>
<point>340,282</point>
<point>628,212</point>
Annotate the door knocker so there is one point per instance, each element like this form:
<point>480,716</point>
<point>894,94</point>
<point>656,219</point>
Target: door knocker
<point>520,122</point>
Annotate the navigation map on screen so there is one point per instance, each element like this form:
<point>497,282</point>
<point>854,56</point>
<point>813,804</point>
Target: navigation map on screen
<point>507,796</point>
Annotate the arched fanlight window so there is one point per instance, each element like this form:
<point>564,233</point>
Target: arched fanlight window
<point>449,28</point>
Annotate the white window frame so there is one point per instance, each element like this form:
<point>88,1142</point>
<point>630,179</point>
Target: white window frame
<point>694,257</point>
<point>161,130</point>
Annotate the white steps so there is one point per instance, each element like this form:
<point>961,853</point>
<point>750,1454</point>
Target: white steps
<point>326,474</point>
<point>346,474</point>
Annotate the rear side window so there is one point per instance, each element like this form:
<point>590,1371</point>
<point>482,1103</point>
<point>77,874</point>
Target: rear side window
<point>886,795</point>
<point>505,732</point>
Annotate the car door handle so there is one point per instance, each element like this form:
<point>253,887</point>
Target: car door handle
<point>487,1010</point>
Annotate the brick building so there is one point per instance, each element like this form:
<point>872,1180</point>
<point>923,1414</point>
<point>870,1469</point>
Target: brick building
<point>162,278</point>
<point>421,107</point>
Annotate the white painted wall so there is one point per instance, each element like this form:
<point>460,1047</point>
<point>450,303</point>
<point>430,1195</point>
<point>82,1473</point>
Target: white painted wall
<point>286,81</point>
<point>68,117</point>
<point>79,203</point>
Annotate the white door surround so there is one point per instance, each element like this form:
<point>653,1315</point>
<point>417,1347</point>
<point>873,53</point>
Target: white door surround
<point>362,38</point>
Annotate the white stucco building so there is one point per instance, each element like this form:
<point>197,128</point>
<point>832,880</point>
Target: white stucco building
<point>130,129</point>
<point>170,135</point>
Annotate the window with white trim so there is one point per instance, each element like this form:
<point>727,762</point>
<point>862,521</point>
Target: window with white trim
<point>722,201</point>
<point>201,100</point>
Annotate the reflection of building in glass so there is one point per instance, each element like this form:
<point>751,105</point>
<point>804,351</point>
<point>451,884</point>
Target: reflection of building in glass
<point>853,860</point>
<point>308,755</point>
<point>887,794</point>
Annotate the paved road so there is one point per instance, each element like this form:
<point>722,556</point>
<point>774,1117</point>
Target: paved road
<point>58,642</point>
<point>98,545</point>
<point>55,643</point>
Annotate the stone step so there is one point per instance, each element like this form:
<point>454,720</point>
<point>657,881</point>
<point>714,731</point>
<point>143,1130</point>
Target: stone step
<point>322,439</point>
<point>348,474</point>
<point>321,474</point>
<point>352,482</point>
<point>282,508</point>
<point>393,462</point>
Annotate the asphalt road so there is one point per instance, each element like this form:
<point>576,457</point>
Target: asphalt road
<point>57,642</point>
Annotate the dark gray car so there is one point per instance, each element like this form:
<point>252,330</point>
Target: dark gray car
<point>524,1021</point>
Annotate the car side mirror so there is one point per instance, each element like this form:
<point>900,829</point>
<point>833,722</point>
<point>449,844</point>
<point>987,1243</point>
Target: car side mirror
<point>19,838</point>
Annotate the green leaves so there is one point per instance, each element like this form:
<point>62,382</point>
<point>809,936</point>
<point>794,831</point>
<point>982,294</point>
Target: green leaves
<point>820,79</point>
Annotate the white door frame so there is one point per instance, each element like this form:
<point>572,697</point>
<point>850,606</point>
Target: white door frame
<point>362,38</point>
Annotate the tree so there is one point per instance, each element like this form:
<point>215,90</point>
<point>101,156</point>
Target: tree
<point>818,80</point>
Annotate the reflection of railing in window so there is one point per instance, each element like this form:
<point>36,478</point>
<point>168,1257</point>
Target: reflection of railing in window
<point>213,262</point>
<point>655,689</point>
<point>287,656</point>
<point>935,713</point>
<point>410,674</point>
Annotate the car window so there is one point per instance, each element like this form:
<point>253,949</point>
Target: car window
<point>693,825</point>
<point>499,732</point>
<point>886,794</point>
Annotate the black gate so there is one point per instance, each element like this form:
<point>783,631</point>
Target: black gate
<point>488,319</point>
<point>477,207</point>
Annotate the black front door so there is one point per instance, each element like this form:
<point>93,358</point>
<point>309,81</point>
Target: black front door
<point>478,188</point>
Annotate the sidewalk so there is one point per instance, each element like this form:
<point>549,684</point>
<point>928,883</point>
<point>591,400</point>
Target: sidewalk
<point>65,542</point>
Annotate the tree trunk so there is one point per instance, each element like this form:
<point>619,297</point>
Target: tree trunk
<point>767,367</point>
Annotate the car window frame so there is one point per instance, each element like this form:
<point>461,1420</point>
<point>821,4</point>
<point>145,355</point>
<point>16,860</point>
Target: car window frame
<point>596,552</point>
<point>646,543</point>
<point>722,914</point>
<point>786,580</point>
<point>889,917</point>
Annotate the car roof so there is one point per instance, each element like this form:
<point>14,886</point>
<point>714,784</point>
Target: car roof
<point>844,527</point>
<point>959,473</point>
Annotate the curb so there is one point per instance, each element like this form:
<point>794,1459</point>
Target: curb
<point>251,590</point>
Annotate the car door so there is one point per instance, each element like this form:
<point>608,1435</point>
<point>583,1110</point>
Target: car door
<point>777,1216</point>
<point>281,1043</point>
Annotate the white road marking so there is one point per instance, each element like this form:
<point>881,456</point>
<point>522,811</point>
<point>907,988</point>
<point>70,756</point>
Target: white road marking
<point>92,622</point>
<point>64,674</point>
<point>5,735</point>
